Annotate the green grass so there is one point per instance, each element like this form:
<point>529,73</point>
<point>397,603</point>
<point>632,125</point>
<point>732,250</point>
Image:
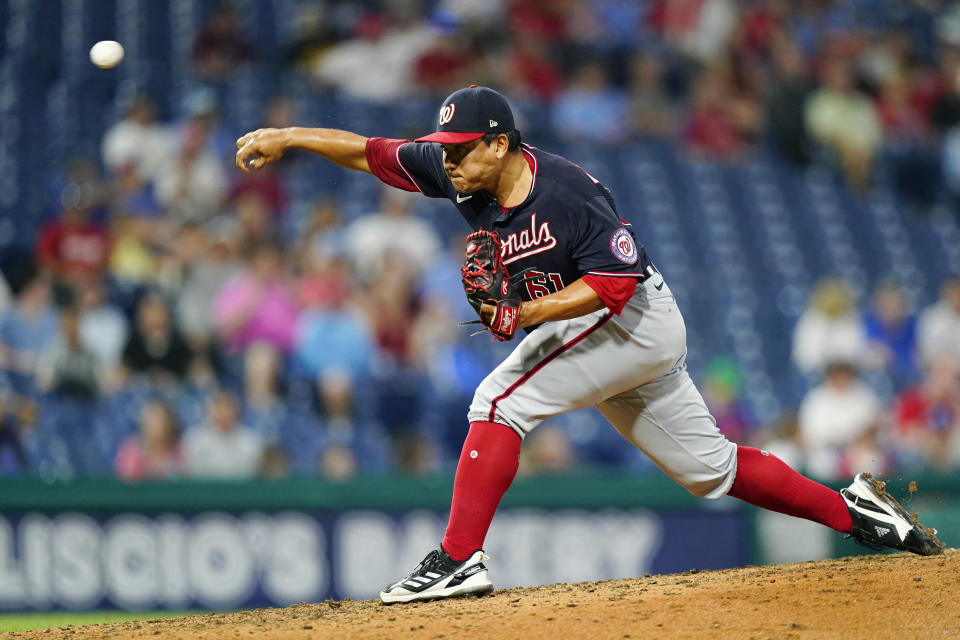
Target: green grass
<point>46,620</point>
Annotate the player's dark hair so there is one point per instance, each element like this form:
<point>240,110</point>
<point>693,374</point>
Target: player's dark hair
<point>513,139</point>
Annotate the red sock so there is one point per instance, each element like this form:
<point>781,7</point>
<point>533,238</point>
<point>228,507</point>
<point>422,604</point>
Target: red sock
<point>766,481</point>
<point>488,463</point>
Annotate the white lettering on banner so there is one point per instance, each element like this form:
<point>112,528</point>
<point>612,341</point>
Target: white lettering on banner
<point>35,551</point>
<point>221,567</point>
<point>422,531</point>
<point>75,545</point>
<point>130,559</point>
<point>12,589</point>
<point>138,562</point>
<point>373,549</point>
<point>531,546</point>
<point>529,241</point>
<point>296,567</point>
<point>219,560</point>
<point>173,582</point>
<point>364,543</point>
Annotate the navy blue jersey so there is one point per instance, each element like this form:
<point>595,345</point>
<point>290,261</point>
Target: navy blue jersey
<point>567,227</point>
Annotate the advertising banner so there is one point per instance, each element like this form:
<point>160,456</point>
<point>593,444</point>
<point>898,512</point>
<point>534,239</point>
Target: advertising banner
<point>214,559</point>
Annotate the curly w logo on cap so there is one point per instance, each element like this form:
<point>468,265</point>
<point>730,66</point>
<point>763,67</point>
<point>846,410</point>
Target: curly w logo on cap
<point>446,114</point>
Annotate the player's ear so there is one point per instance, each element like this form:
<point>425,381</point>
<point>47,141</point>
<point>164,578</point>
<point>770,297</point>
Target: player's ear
<point>501,145</point>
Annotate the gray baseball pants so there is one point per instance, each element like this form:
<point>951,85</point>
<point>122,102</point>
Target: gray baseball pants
<point>632,368</point>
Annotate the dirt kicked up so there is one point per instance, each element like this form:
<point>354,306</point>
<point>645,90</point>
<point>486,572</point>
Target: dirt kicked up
<point>882,596</point>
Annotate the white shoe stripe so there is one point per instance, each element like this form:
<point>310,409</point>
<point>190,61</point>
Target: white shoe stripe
<point>864,491</point>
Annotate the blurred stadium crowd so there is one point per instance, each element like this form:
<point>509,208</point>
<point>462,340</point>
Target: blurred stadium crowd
<point>164,315</point>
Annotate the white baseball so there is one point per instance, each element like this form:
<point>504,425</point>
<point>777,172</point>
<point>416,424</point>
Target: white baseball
<point>106,54</point>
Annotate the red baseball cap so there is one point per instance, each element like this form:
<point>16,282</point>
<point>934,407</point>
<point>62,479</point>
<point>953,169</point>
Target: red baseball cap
<point>471,113</point>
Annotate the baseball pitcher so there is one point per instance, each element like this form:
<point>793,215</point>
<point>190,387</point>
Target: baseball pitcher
<point>550,255</point>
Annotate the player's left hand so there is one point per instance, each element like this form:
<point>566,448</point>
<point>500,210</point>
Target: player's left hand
<point>490,289</point>
<point>259,148</point>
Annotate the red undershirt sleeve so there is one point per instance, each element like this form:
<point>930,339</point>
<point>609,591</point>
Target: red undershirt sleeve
<point>613,290</point>
<point>382,158</point>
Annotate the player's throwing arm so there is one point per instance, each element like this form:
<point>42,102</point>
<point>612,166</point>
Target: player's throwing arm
<point>259,148</point>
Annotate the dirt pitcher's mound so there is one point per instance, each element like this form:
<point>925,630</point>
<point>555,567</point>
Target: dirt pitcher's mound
<point>888,596</point>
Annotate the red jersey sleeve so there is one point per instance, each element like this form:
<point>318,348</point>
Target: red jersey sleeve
<point>615,291</point>
<point>383,158</point>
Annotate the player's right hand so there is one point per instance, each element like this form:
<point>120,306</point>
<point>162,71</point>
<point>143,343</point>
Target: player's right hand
<point>259,148</point>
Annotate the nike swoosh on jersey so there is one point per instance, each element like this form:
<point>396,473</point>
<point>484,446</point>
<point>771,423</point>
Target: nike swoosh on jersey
<point>462,198</point>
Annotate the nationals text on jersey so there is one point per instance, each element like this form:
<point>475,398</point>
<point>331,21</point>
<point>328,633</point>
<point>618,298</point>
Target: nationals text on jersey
<point>530,241</point>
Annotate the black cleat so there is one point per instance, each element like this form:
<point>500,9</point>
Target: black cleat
<point>440,576</point>
<point>879,520</point>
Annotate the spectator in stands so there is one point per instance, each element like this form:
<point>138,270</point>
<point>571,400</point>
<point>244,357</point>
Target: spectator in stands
<point>443,66</point>
<point>155,347</point>
<point>943,97</point>
<point>902,123</point>
<point>721,118</point>
<point>279,112</point>
<point>530,71</point>
<point>337,463</point>
<point>134,256</point>
<point>254,221</point>
<point>67,368</point>
<point>548,451</point>
<point>651,108</point>
<point>13,458</point>
<point>723,393</point>
<point>913,163</point>
<point>319,229</point>
<point>201,109</point>
<point>258,304</point>
<point>392,306</point>
<point>927,417</point>
<point>590,109</point>
<point>344,426</point>
<point>313,32</point>
<point>782,438</point>
<point>73,247</point>
<point>391,231</point>
<point>829,329</point>
<point>938,330</point>
<point>261,371</point>
<point>415,453</point>
<point>275,463</point>
<point>335,348</point>
<point>791,85</point>
<point>221,447</point>
<point>133,196</point>
<point>153,453</point>
<point>137,141</point>
<point>26,330</point>
<point>838,419</point>
<point>534,19</point>
<point>377,64</point>
<point>221,45</point>
<point>203,274</point>
<point>891,331</point>
<point>103,327</point>
<point>193,183</point>
<point>700,30</point>
<point>325,280</point>
<point>844,121</point>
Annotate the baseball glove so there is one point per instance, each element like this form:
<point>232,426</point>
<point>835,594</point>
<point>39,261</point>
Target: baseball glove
<point>485,279</point>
